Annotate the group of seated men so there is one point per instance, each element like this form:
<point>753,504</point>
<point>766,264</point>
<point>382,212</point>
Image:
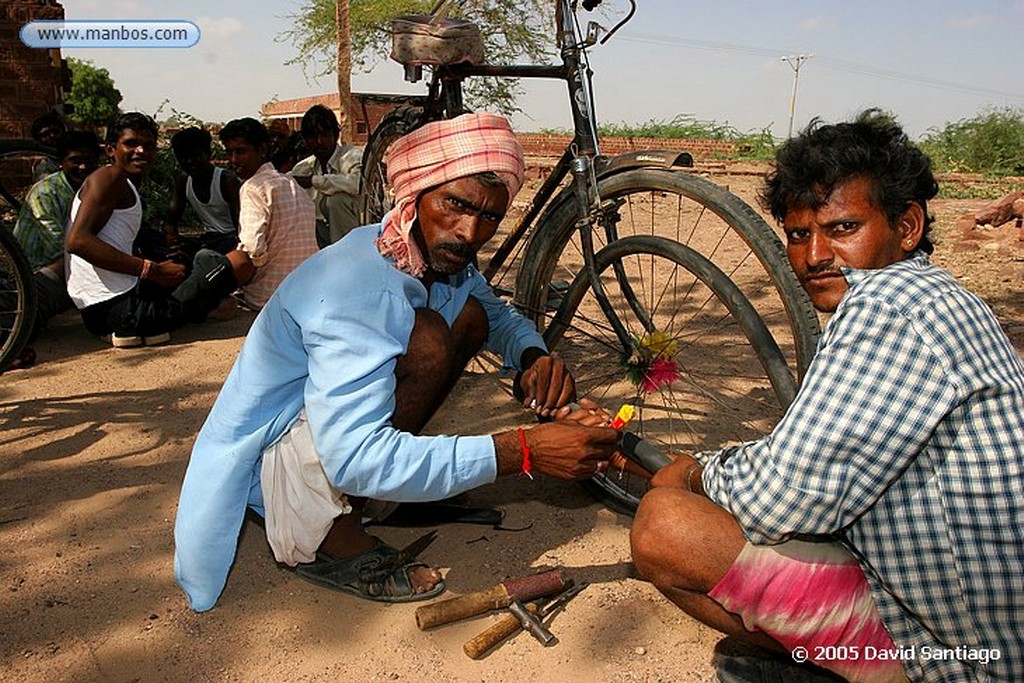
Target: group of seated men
<point>82,225</point>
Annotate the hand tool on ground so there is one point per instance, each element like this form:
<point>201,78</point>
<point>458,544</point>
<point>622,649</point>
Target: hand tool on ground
<point>508,624</point>
<point>529,622</point>
<point>407,554</point>
<point>502,595</point>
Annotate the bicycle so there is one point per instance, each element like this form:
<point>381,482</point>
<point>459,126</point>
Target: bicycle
<point>667,291</point>
<point>17,289</point>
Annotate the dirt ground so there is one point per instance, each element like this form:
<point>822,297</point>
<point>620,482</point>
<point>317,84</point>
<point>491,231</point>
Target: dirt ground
<point>93,447</point>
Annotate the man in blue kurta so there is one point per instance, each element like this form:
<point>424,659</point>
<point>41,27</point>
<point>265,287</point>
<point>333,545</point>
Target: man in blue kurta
<point>347,362</point>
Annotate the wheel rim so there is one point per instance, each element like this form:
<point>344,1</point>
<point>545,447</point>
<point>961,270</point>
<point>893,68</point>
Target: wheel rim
<point>694,212</point>
<point>690,372</point>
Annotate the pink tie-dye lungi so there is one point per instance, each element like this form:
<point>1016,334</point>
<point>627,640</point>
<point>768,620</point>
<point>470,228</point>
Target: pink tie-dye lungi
<point>812,598</point>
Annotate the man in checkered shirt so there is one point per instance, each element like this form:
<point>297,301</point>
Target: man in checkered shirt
<point>877,531</point>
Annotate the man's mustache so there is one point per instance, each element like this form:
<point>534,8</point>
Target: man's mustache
<point>828,270</point>
<point>460,249</point>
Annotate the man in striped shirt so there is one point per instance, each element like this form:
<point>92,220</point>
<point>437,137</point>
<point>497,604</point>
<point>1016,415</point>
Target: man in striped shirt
<point>877,531</point>
<point>277,219</point>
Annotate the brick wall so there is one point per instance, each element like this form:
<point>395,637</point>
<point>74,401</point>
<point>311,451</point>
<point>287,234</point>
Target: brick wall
<point>30,79</point>
<point>536,144</point>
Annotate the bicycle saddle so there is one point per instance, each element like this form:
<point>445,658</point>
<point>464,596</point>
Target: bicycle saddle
<point>423,40</point>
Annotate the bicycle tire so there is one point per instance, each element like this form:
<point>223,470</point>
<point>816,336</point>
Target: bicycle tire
<point>17,299</point>
<point>675,286</point>
<point>374,198</point>
<point>695,212</point>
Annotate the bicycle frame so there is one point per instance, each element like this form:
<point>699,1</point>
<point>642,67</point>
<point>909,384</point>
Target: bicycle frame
<point>578,159</point>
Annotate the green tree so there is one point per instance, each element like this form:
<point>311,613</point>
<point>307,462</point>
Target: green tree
<point>93,95</point>
<point>523,29</point>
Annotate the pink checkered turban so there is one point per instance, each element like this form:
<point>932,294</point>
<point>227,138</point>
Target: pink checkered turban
<point>437,153</point>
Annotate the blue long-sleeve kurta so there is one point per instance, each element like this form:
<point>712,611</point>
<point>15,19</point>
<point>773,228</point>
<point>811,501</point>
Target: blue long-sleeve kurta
<point>328,341</point>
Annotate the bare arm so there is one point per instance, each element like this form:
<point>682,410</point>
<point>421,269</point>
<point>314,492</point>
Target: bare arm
<point>346,179</point>
<point>574,447</point>
<point>99,197</point>
<point>230,187</point>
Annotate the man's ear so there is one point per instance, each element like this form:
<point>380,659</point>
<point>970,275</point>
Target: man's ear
<point>911,227</point>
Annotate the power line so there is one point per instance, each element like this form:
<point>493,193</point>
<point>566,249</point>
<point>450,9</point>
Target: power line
<point>826,62</point>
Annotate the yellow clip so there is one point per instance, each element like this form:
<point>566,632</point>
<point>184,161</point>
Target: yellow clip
<point>623,417</point>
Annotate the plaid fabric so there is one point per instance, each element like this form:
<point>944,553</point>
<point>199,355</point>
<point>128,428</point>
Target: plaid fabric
<point>44,218</point>
<point>906,441</point>
<point>276,228</point>
<point>434,154</point>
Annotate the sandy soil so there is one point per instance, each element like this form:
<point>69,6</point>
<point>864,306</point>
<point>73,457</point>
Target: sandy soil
<point>93,447</point>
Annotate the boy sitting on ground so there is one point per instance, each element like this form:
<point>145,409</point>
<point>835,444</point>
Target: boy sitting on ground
<point>211,191</point>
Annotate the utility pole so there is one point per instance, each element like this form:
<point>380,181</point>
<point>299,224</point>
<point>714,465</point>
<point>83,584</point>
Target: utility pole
<point>795,62</point>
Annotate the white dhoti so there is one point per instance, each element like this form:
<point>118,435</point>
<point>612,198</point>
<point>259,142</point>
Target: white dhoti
<point>299,500</point>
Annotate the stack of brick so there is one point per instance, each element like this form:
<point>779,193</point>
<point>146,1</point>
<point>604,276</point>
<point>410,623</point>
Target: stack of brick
<point>542,145</point>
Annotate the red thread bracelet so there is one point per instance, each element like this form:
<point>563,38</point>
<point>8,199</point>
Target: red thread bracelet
<point>527,465</point>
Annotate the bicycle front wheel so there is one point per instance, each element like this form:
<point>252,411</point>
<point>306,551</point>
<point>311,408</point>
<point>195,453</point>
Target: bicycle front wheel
<point>719,332</point>
<point>17,299</point>
<point>687,209</point>
<point>703,369</point>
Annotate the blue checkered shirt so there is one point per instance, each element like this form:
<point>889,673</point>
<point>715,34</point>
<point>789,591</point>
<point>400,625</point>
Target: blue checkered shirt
<point>906,443</point>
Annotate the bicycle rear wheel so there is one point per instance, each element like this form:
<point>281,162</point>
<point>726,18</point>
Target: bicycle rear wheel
<point>375,195</point>
<point>704,371</point>
<point>17,299</point>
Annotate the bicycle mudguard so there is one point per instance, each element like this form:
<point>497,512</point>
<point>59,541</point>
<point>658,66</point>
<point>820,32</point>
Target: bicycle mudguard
<point>644,158</point>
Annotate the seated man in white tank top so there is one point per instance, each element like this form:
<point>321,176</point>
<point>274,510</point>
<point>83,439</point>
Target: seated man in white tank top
<point>128,299</point>
<point>211,191</point>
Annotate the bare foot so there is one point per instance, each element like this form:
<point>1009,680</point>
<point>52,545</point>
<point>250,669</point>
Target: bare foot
<point>424,579</point>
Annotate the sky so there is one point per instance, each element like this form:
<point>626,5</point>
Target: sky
<point>930,62</point>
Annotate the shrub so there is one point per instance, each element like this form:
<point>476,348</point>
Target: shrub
<point>991,143</point>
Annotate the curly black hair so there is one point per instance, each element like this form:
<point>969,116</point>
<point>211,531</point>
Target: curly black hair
<point>132,120</point>
<point>809,167</point>
<point>191,139</point>
<point>246,128</point>
<point>78,140</point>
